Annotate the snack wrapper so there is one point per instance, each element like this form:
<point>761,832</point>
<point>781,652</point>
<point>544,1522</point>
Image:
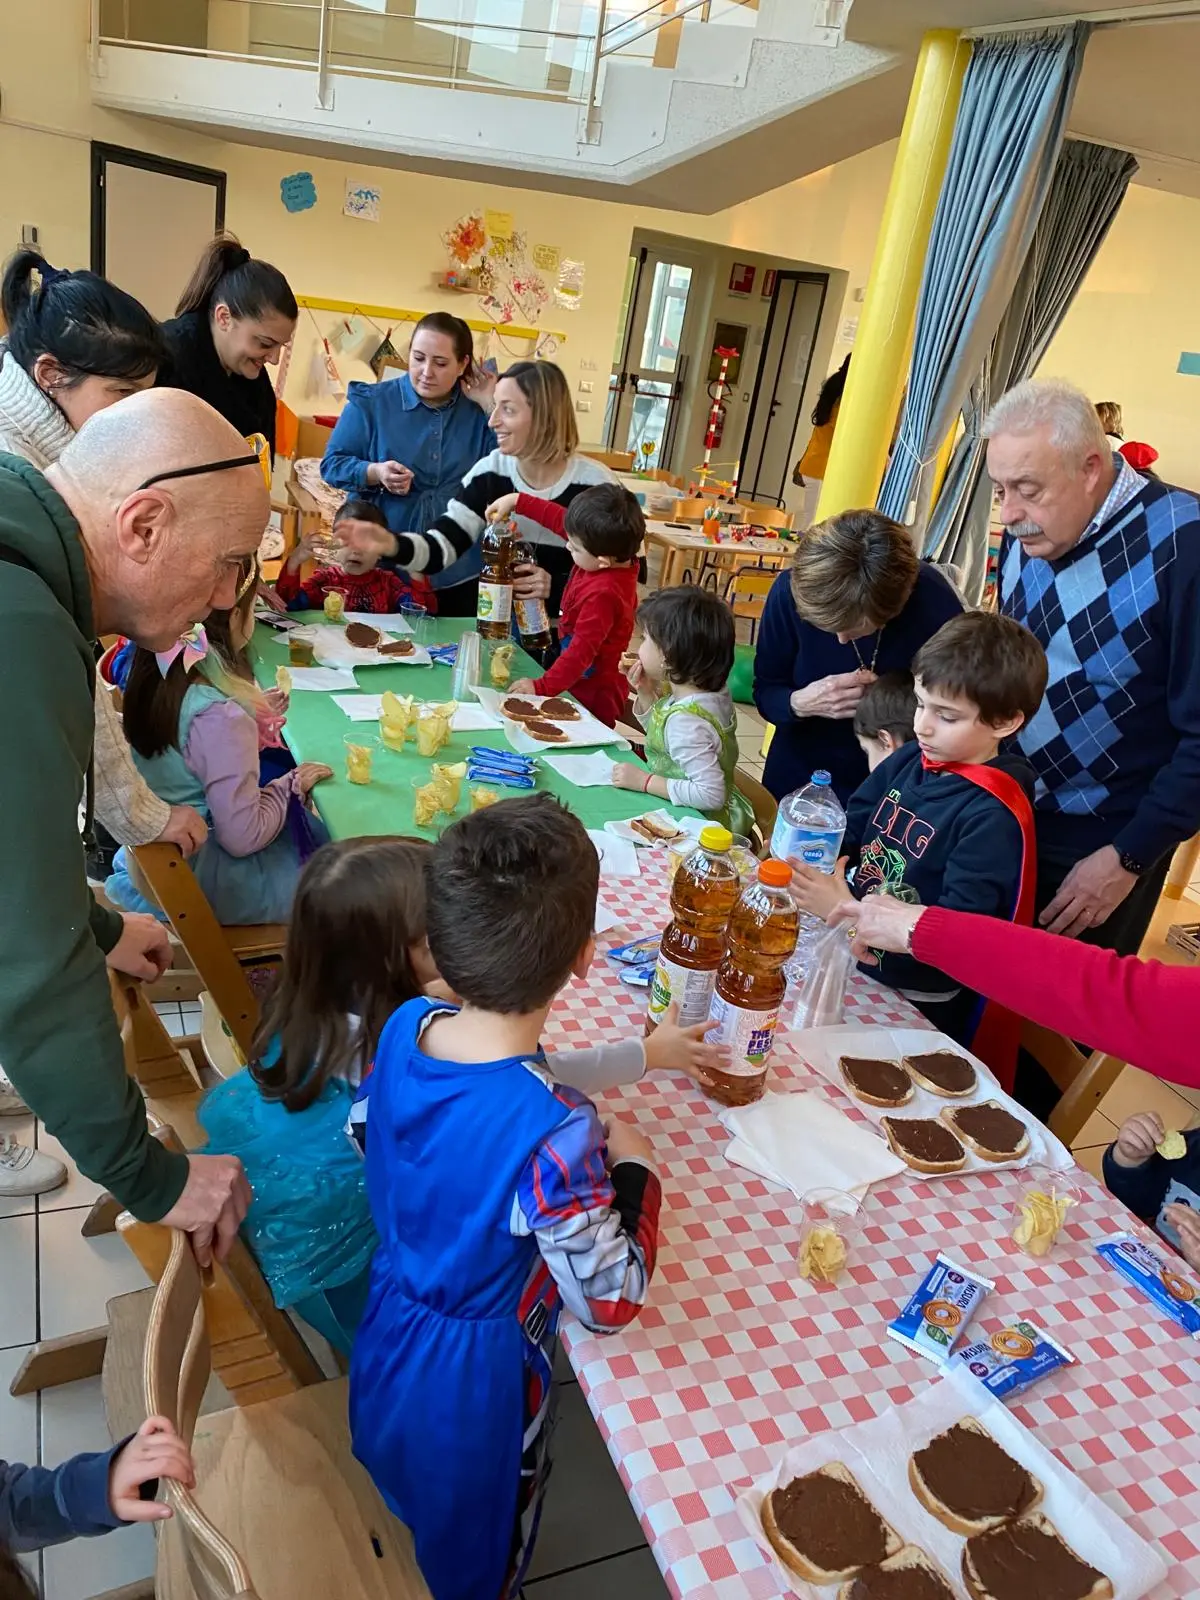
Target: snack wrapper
<point>503,767</point>
<point>939,1309</point>
<point>1013,1359</point>
<point>1171,1291</point>
<point>447,783</point>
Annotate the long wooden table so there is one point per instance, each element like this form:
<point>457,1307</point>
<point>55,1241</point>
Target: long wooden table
<point>680,545</point>
<point>316,728</point>
<point>735,1358</point>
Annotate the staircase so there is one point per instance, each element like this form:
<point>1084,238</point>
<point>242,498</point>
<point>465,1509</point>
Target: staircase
<point>669,103</point>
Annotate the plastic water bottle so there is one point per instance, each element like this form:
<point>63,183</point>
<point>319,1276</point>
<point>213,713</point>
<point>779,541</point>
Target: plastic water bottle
<point>808,832</point>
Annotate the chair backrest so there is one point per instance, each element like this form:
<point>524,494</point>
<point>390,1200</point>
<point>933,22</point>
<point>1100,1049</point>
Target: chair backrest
<point>175,1373</point>
<point>766,516</point>
<point>253,1346</point>
<point>750,584</point>
<point>762,802</point>
<point>311,438</point>
<point>692,510</point>
<point>616,460</point>
<point>1083,1080</point>
<point>162,874</point>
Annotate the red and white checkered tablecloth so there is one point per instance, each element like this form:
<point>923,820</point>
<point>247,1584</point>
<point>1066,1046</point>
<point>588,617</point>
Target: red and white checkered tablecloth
<point>735,1358</point>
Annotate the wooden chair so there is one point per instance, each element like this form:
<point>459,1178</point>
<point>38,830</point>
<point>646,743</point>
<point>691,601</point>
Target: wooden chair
<point>766,516</point>
<point>281,1511</point>
<point>161,874</point>
<point>616,460</point>
<point>1083,1080</point>
<point>253,1347</point>
<point>762,802</point>
<point>747,593</point>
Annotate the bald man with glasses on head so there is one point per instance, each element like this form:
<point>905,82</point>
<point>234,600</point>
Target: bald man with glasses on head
<point>148,521</point>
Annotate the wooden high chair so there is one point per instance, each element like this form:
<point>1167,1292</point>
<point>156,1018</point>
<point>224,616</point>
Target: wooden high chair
<point>218,953</point>
<point>1083,1080</point>
<point>762,802</point>
<point>281,1510</point>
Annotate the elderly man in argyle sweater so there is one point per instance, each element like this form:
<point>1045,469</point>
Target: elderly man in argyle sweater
<point>1103,566</point>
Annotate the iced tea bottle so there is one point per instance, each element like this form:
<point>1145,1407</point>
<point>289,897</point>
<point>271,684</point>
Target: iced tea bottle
<point>493,613</point>
<point>533,620</point>
<point>703,894</point>
<point>750,983</point>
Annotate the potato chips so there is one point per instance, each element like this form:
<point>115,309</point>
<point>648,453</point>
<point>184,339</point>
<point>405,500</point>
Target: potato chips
<point>822,1254</point>
<point>1042,1215</point>
<point>283,680</point>
<point>447,784</point>
<point>1173,1146</point>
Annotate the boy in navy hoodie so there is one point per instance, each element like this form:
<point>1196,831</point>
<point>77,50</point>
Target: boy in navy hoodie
<point>1161,1190</point>
<point>948,820</point>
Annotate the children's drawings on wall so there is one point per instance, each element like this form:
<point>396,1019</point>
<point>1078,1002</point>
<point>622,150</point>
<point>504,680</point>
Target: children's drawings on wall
<point>362,201</point>
<point>298,191</point>
<point>499,224</point>
<point>547,258</point>
<point>510,284</point>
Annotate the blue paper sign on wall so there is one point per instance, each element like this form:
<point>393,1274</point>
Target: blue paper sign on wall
<point>298,191</point>
<point>1189,363</point>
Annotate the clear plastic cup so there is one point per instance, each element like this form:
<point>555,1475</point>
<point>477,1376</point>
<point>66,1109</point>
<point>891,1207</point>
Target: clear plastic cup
<point>418,621</point>
<point>831,1224</point>
<point>360,753</point>
<point>1045,1200</point>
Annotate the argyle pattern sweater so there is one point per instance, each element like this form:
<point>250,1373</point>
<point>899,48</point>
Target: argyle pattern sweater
<point>1115,744</point>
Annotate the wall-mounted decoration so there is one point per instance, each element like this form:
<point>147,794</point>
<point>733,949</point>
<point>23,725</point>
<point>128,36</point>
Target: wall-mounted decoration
<point>362,201</point>
<point>547,258</point>
<point>1189,363</point>
<point>499,224</point>
<point>568,291</point>
<point>298,191</point>
<point>386,355</point>
<point>770,279</point>
<point>467,240</point>
<point>741,278</point>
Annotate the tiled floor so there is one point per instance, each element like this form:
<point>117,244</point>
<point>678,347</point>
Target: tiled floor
<point>53,1282</point>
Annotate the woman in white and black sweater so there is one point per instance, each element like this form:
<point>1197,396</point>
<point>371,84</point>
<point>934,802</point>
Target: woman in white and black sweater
<point>537,454</point>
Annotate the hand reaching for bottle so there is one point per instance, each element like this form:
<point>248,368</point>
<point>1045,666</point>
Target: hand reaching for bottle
<point>671,1048</point>
<point>500,510</point>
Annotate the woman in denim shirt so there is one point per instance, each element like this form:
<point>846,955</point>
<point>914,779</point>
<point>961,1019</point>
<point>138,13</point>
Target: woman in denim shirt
<point>407,443</point>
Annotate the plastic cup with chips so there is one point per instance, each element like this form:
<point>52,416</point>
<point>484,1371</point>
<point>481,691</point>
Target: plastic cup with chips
<point>830,1227</point>
<point>1044,1200</point>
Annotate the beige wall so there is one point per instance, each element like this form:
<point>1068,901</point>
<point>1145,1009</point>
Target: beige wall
<point>1138,309</point>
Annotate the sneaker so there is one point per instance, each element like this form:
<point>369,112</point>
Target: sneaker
<point>25,1171</point>
<point>11,1104</point>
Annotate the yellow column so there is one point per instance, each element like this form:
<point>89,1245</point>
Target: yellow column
<point>874,387</point>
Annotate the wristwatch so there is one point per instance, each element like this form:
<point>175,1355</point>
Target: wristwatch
<point>1131,863</point>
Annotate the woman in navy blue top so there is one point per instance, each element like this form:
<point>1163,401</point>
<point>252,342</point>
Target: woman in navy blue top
<point>407,443</point>
<point>856,603</point>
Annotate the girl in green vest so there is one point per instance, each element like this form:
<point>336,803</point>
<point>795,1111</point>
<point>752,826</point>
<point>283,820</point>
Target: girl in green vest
<point>680,678</point>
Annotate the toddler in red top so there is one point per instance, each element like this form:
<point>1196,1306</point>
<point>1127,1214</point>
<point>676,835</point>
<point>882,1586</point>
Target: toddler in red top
<point>365,586</point>
<point>604,528</point>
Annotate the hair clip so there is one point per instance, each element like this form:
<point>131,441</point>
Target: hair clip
<point>193,647</point>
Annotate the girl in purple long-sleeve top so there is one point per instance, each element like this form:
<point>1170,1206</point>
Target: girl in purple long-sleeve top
<point>196,721</point>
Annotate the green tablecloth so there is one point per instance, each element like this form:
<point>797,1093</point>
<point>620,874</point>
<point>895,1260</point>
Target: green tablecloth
<point>316,729</point>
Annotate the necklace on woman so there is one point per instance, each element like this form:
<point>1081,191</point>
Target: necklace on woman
<point>862,665</point>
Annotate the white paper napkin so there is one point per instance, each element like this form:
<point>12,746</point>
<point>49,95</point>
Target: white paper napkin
<point>367,708</point>
<point>618,858</point>
<point>801,1142</point>
<point>585,772</point>
<point>322,678</point>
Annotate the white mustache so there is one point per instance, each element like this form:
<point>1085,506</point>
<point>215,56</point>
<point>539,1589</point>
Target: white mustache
<point>1025,530</point>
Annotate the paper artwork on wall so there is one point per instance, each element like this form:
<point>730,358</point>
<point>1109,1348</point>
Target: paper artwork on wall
<point>509,284</point>
<point>568,291</point>
<point>499,224</point>
<point>298,191</point>
<point>547,258</point>
<point>362,201</point>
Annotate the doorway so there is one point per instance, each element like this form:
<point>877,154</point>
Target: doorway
<point>150,220</point>
<point>783,373</point>
<point>650,364</point>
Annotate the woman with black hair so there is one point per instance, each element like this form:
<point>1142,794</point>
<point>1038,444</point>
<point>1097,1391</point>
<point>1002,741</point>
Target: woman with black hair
<point>809,471</point>
<point>77,344</point>
<point>233,319</point>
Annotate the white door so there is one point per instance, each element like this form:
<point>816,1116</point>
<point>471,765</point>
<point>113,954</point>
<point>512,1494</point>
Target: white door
<point>783,372</point>
<point>150,221</point>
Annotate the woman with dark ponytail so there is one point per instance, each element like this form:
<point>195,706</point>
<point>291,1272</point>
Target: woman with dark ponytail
<point>233,319</point>
<point>76,343</point>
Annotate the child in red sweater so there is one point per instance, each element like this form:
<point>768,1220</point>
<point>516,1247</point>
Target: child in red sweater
<point>604,528</point>
<point>363,585</point>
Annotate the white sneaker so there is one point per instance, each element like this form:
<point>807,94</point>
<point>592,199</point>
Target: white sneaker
<point>11,1104</point>
<point>26,1171</point>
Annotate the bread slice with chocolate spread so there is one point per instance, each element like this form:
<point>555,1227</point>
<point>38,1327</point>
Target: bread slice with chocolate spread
<point>824,1528</point>
<point>998,1565</point>
<point>969,1482</point>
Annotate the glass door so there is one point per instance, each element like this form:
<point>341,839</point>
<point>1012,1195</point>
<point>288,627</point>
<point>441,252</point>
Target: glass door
<point>649,367</point>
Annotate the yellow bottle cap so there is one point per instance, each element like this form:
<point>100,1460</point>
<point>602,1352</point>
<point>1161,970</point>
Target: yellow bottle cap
<point>714,837</point>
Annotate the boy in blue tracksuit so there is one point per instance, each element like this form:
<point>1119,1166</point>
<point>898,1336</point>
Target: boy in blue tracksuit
<point>87,1495</point>
<point>948,820</point>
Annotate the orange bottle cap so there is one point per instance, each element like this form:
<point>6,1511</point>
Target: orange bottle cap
<point>775,873</point>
